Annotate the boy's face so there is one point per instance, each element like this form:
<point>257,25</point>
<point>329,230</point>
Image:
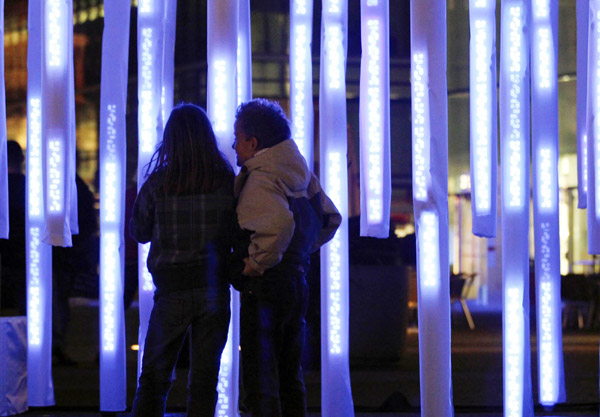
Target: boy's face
<point>245,147</point>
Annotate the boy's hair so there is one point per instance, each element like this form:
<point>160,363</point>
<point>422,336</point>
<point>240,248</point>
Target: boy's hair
<point>265,120</point>
<point>188,156</point>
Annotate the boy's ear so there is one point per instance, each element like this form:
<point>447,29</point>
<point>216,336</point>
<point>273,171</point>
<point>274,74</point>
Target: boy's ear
<point>254,142</point>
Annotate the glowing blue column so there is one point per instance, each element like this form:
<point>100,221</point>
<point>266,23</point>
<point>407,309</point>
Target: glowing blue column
<point>244,54</point>
<point>544,118</point>
<point>336,391</point>
<point>593,128</point>
<point>113,160</point>
<point>3,160</point>
<point>430,200</point>
<point>39,255</point>
<point>583,8</point>
<point>484,107</point>
<point>150,126</point>
<point>57,121</point>
<point>514,131</point>
<point>168,72</point>
<point>225,44</point>
<point>374,115</point>
<point>301,79</point>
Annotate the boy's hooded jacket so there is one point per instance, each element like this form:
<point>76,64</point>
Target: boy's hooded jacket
<point>283,208</point>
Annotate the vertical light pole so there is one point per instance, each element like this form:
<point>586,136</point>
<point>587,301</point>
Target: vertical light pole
<point>223,46</point>
<point>150,31</point>
<point>582,12</point>
<point>514,141</point>
<point>113,160</point>
<point>430,201</point>
<point>38,254</point>
<point>336,392</point>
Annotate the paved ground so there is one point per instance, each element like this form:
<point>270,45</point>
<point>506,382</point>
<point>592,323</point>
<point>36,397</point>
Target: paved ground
<point>380,388</point>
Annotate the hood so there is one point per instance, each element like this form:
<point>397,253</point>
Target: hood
<point>285,162</point>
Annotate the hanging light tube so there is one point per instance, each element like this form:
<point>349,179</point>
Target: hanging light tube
<point>430,201</point>
<point>301,78</point>
<point>227,38</point>
<point>514,129</point>
<point>374,117</point>
<point>336,394</point>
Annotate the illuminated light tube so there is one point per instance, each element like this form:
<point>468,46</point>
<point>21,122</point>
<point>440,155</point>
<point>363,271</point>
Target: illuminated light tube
<point>514,142</point>
<point>429,276</point>
<point>546,186</point>
<point>582,10</point>
<point>336,391</point>
<point>301,79</point>
<point>428,39</point>
<point>421,126</point>
<point>58,154</point>
<point>150,47</point>
<point>38,255</point>
<point>513,353</point>
<point>374,110</point>
<point>224,44</point>
<point>112,163</point>
<point>593,128</point>
<point>483,119</point>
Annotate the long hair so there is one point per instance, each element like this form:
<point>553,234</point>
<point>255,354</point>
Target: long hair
<point>188,158</point>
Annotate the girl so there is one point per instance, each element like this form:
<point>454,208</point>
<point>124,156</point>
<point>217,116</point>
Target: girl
<point>185,209</point>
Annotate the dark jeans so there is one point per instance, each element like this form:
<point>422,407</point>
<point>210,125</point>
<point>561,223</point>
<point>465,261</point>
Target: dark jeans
<point>272,338</point>
<point>206,314</point>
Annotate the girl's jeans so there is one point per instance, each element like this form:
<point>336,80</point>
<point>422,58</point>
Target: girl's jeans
<point>206,314</point>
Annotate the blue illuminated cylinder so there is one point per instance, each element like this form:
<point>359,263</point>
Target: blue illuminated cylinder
<point>483,121</point>
<point>336,393</point>
<point>593,129</point>
<point>113,160</point>
<point>544,119</point>
<point>301,79</point>
<point>514,143</point>
<point>430,201</point>
<point>374,117</point>
<point>3,159</point>
<point>582,10</point>
<point>168,72</point>
<point>58,131</point>
<point>38,254</point>
<point>150,31</point>
<point>228,37</point>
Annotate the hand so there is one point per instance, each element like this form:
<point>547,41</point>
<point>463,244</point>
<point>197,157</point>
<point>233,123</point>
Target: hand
<point>248,270</point>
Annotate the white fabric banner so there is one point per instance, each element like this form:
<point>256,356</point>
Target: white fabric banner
<point>484,119</point>
<point>228,38</point>
<point>58,132</point>
<point>544,119</point>
<point>514,143</point>
<point>429,102</point>
<point>39,254</point>
<point>593,129</point>
<point>13,372</point>
<point>336,390</point>
<point>150,31</point>
<point>374,118</point>
<point>301,77</point>
<point>582,10</point>
<point>113,161</point>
